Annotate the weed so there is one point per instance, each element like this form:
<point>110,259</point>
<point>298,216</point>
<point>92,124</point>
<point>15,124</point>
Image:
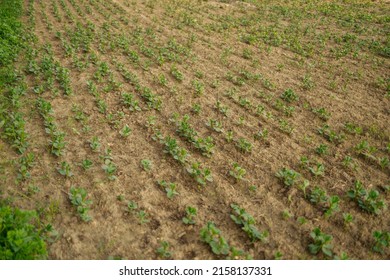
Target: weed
<point>252,188</point>
<point>384,162</point>
<point>278,255</point>
<point>301,220</point>
<point>247,53</point>
<point>20,239</point>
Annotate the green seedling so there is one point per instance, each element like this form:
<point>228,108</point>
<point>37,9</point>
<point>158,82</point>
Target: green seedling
<point>57,143</point>
<point>241,217</point>
<point>289,96</point>
<point>129,101</point>
<point>221,108</point>
<point>333,206</point>
<point>196,108</point>
<point>199,87</point>
<point>318,169</point>
<point>261,135</point>
<point>321,243</point>
<point>229,136</point>
<point>132,205</point>
<point>125,131</point>
<point>205,145</point>
<point>78,197</point>
<point>322,113</point>
<point>191,213</point>
<point>65,169</point>
<point>215,125</point>
<point>147,165</point>
<point>369,201</point>
<point>244,145</point>
<point>303,186</point>
<point>94,143</point>
<point>288,176</point>
<point>318,196</point>
<point>301,220</point>
<point>25,164</point>
<point>322,149</point>
<point>348,218</point>
<point>238,172</point>
<point>211,235</point>
<point>381,241</point>
<point>171,147</point>
<point>86,164</point>
<point>253,188</point>
<point>202,176</point>
<point>278,255</point>
<point>286,214</point>
<point>143,217</point>
<point>163,250</point>
<point>170,188</point>
<point>110,168</point>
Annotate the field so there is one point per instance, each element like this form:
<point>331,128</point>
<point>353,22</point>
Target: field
<point>195,129</point>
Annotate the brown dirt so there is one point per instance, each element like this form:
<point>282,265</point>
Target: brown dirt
<point>114,231</point>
